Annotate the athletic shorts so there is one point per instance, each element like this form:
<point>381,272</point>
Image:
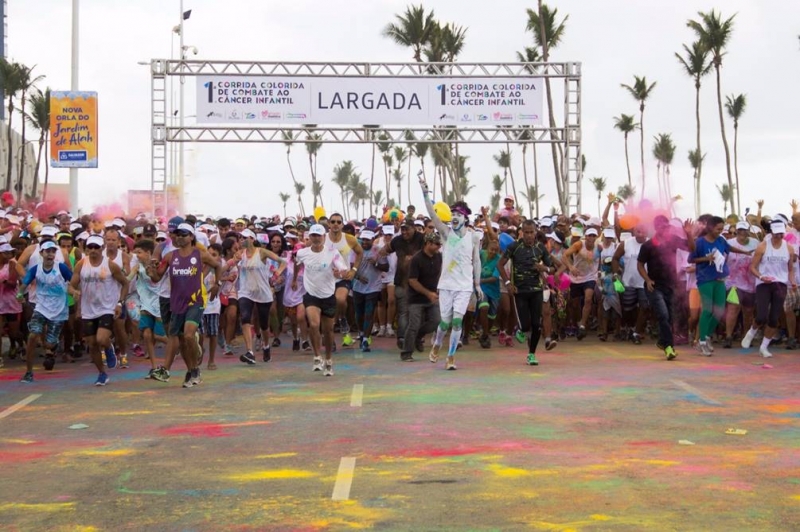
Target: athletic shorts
<point>38,323</point>
<point>792,301</point>
<point>210,325</point>
<point>178,321</point>
<point>453,302</point>
<point>89,327</point>
<point>633,298</point>
<point>694,299</point>
<point>342,284</point>
<point>166,313</point>
<point>246,308</point>
<point>746,299</point>
<point>492,304</point>
<point>232,302</point>
<point>577,290</point>
<point>9,318</point>
<point>327,306</point>
<point>148,321</point>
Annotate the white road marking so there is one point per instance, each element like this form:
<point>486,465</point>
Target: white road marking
<point>344,478</point>
<point>697,393</point>
<point>358,395</point>
<point>13,408</point>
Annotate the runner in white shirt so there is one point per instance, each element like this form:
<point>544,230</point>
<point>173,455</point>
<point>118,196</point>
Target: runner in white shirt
<point>323,267</point>
<point>460,277</point>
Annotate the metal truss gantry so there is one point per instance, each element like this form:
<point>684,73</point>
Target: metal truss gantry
<point>567,138</point>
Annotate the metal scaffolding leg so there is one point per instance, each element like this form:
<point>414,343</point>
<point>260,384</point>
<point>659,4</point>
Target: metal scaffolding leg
<point>158,137</point>
<point>572,117</point>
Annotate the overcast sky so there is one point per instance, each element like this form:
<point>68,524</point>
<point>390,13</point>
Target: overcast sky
<point>614,40</point>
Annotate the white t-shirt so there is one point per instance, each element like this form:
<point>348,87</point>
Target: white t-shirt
<point>318,278</point>
<point>457,261</point>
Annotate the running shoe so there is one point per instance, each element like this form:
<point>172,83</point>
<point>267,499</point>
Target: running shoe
<point>501,338</point>
<point>306,345</point>
<point>248,358</point>
<point>328,368</point>
<point>123,362</point>
<point>151,374</point>
<point>365,345</point>
<point>704,350</point>
<point>49,362</point>
<point>27,378</point>
<point>550,344</point>
<point>187,381</point>
<point>581,333</point>
<point>111,357</point>
<point>636,338</point>
<point>791,344</point>
<point>266,354</point>
<point>451,364</point>
<point>765,352</point>
<point>748,338</point>
<point>485,342</point>
<point>102,379</point>
<point>161,374</point>
<point>390,332</point>
<point>433,356</point>
<point>138,351</point>
<point>295,345</point>
<point>532,359</point>
<point>196,378</point>
<point>381,332</point>
<point>727,343</point>
<point>318,364</point>
<point>670,352</point>
<point>347,340</point>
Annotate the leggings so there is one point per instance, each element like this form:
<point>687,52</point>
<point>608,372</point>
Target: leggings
<point>529,310</point>
<point>712,301</point>
<point>769,304</point>
<point>246,312</point>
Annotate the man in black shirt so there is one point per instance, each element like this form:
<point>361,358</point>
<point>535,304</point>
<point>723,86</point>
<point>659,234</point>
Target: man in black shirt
<point>423,301</point>
<point>530,259</point>
<point>404,246</point>
<point>656,264</point>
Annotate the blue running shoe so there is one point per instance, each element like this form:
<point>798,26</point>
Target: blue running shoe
<point>102,379</point>
<point>365,345</point>
<point>111,357</point>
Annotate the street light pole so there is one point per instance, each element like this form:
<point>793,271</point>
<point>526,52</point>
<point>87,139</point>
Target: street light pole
<point>180,120</point>
<point>73,172</point>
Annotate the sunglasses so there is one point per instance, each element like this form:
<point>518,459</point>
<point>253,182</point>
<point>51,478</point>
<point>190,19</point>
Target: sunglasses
<point>430,227</point>
<point>92,246</point>
<point>182,233</point>
<point>161,239</point>
<point>335,222</point>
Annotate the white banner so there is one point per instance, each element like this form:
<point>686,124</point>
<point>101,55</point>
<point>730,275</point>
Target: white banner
<point>356,101</point>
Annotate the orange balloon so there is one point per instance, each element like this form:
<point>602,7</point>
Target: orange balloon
<point>628,221</point>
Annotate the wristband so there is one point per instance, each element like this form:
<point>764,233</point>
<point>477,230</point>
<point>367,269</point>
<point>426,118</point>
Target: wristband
<point>508,282</point>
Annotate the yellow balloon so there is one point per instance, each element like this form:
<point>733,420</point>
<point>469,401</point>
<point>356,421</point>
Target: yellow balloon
<point>319,212</point>
<point>442,210</point>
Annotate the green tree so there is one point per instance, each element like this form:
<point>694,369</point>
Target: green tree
<point>735,105</point>
<point>400,156</point>
<point>313,145</point>
<point>664,152</point>
<point>341,178</point>
<point>385,148</point>
<point>284,199</point>
<point>626,192</point>
<point>288,140</point>
<point>548,32</point>
<point>599,184</point>
<point>714,35</point>
<point>412,29</point>
<point>369,134</point>
<point>533,196</point>
<point>626,124</point>
<point>497,186</point>
<point>640,91</point>
<point>696,65</point>
<point>27,83</point>
<point>39,118</point>
<point>10,77</point>
<point>298,189</point>
<point>726,195</point>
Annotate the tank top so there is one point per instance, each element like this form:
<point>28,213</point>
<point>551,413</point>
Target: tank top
<point>99,290</point>
<point>342,246</point>
<point>254,278</point>
<point>585,264</point>
<point>457,268</point>
<point>775,263</point>
<point>36,258</point>
<point>186,282</point>
<point>630,271</point>
<point>8,292</point>
<point>52,289</point>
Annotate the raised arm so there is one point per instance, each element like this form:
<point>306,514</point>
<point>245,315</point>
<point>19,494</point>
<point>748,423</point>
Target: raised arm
<point>437,222</point>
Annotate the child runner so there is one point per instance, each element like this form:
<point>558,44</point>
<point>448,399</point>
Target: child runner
<point>149,312</point>
<point>293,303</point>
<point>210,326</point>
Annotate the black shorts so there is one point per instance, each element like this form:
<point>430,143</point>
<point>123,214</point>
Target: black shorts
<point>178,321</point>
<point>246,307</point>
<point>342,284</point>
<point>89,327</point>
<point>166,313</point>
<point>327,306</point>
<point>72,309</point>
<point>9,318</point>
<point>231,303</point>
<point>579,289</point>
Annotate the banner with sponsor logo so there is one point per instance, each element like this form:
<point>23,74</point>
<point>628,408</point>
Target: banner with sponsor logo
<point>354,101</point>
<point>73,129</point>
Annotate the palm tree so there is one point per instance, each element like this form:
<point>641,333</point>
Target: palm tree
<point>284,198</point>
<point>599,187</point>
<point>316,190</point>
<point>288,140</point>
<point>377,198</point>
<point>341,178</point>
<point>547,33</point>
<point>696,65</point>
<point>626,124</point>
<point>397,175</point>
<point>39,118</point>
<point>714,35</point>
<point>298,189</point>
<point>503,160</point>
<point>696,161</point>
<point>384,146</point>
<point>735,105</point>
<point>400,156</point>
<point>370,135</point>
<point>359,192</point>
<point>726,194</point>
<point>640,92</point>
<point>626,192</point>
<point>532,195</point>
<point>27,81</point>
<point>12,84</point>
<point>412,29</point>
<point>664,152</point>
<point>420,150</point>
<point>497,186</point>
<point>313,144</point>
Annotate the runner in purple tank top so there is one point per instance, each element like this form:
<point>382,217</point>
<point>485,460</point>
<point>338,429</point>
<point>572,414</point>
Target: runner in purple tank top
<point>187,299</point>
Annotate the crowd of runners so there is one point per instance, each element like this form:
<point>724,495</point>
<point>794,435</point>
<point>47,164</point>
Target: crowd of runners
<point>115,289</point>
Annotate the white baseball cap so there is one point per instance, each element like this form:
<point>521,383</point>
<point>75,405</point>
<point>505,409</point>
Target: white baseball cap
<point>96,240</point>
<point>777,228</point>
<point>317,229</point>
<point>48,230</point>
<point>743,225</point>
<point>609,232</point>
<point>366,235</point>
<point>186,227</point>
<point>48,245</point>
<point>388,229</point>
<point>591,232</point>
<point>6,248</point>
<point>247,233</point>
<point>553,236</point>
